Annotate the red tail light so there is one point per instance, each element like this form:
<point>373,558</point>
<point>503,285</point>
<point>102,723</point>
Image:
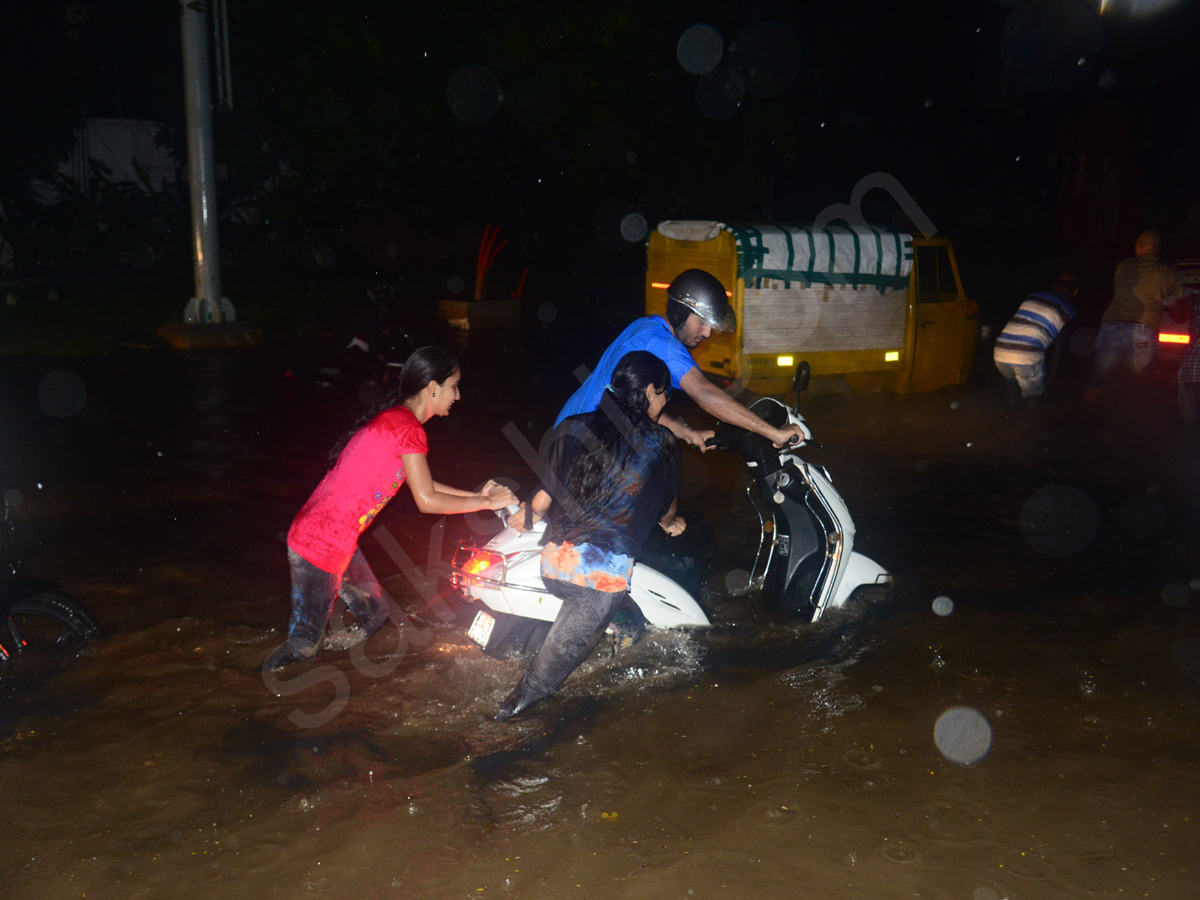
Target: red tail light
<point>481,561</point>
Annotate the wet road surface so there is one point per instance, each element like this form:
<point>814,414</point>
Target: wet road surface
<point>761,758</point>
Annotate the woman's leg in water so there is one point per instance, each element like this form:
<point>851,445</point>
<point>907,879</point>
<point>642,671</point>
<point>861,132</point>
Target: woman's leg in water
<point>362,594</point>
<point>584,615</point>
<point>313,593</point>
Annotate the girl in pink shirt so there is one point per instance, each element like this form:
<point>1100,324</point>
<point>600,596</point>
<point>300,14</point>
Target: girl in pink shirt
<point>385,450</point>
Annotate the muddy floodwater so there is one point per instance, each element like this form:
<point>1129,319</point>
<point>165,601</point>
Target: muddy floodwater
<point>760,758</point>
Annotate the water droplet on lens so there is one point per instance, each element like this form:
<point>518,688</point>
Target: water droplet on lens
<point>633,227</point>
<point>719,94</point>
<point>943,605</point>
<point>1185,655</point>
<point>1059,521</point>
<point>1142,516</point>
<point>140,256</point>
<point>767,57</point>
<point>922,466</point>
<point>337,111</point>
<point>473,94</point>
<point>955,405</point>
<point>929,103</point>
<point>963,735</point>
<point>547,312</point>
<point>454,284</point>
<point>1176,594</point>
<point>737,581</point>
<point>986,893</point>
<point>1047,43</point>
<point>631,156</point>
<point>1194,584</point>
<point>12,497</point>
<point>699,49</point>
<point>1108,78</point>
<point>61,394</point>
<point>537,105</point>
<point>325,257</point>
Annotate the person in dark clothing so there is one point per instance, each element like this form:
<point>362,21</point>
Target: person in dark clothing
<point>609,477</point>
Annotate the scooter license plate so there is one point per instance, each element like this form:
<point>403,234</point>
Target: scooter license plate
<point>481,629</point>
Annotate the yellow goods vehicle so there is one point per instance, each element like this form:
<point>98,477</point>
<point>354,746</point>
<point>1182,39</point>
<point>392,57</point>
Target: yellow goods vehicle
<point>876,307</point>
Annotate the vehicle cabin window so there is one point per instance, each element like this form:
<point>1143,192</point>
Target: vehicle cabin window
<point>935,275</point>
<point>946,282</point>
<point>927,273</point>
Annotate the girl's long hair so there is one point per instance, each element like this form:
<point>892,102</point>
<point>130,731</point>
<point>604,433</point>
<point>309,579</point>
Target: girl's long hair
<point>618,427</point>
<point>426,364</point>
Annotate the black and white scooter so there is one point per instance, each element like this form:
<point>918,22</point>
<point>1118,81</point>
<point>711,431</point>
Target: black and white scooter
<point>805,563</point>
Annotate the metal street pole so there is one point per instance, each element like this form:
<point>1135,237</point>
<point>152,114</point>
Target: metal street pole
<point>205,306</point>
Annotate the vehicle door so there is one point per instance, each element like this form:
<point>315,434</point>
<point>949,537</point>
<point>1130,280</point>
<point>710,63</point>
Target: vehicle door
<point>938,354</point>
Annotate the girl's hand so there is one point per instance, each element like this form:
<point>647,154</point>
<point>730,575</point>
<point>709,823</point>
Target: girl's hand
<point>517,520</point>
<point>488,485</point>
<point>499,497</point>
<point>676,528</point>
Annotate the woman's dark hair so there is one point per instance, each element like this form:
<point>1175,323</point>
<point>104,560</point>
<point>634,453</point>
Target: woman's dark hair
<point>426,364</point>
<point>620,426</point>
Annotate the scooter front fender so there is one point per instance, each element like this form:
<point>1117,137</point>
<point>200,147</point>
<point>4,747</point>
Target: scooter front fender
<point>860,570</point>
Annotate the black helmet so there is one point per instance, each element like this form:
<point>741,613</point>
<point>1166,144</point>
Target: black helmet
<point>705,296</point>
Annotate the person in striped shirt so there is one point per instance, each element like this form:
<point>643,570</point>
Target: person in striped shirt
<point>1021,348</point>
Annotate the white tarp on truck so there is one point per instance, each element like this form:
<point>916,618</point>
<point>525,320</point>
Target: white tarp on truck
<point>834,288</point>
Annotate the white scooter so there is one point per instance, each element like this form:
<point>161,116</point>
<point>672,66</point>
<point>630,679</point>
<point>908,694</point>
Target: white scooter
<point>505,575</point>
<point>807,533</point>
<point>805,552</point>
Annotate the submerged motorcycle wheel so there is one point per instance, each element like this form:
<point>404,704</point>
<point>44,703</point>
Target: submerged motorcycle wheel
<point>46,621</point>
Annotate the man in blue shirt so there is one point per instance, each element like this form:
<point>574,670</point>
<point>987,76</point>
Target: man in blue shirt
<point>697,305</point>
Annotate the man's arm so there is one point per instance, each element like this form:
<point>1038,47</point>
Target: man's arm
<point>716,402</point>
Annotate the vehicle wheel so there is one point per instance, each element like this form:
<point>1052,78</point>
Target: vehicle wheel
<point>49,620</point>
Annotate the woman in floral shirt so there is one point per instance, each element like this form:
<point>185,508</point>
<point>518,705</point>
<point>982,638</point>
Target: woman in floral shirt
<point>609,478</point>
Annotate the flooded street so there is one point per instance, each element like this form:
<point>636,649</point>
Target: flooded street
<point>761,758</point>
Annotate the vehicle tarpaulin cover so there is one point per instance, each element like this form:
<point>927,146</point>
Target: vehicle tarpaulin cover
<point>836,255</point>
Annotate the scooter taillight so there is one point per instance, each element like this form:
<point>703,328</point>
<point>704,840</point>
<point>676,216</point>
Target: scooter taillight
<point>481,561</point>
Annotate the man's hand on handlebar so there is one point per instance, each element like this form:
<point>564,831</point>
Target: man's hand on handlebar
<point>790,436</point>
<point>676,528</point>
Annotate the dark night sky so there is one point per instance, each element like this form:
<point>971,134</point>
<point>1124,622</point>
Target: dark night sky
<point>343,119</point>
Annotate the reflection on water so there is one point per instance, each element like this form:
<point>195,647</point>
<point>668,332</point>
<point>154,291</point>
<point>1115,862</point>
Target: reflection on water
<point>763,757</point>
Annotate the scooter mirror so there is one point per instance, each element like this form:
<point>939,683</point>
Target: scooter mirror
<point>800,380</point>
